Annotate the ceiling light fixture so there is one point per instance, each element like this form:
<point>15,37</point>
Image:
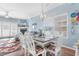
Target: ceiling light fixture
<point>6,12</point>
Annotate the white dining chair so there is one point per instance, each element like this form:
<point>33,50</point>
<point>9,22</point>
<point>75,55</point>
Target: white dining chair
<point>23,43</point>
<point>76,48</point>
<point>32,47</point>
<point>60,43</point>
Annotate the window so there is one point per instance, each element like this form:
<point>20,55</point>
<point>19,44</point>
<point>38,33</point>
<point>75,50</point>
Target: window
<point>14,29</point>
<point>8,28</point>
<point>5,28</point>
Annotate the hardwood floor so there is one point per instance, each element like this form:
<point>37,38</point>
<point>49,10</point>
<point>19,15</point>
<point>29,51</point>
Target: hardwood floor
<point>67,52</point>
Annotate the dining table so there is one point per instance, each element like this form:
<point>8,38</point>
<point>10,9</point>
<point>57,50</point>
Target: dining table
<point>42,41</point>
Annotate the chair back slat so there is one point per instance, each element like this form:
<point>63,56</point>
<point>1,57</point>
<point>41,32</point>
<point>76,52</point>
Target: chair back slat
<point>30,42</point>
<point>22,40</point>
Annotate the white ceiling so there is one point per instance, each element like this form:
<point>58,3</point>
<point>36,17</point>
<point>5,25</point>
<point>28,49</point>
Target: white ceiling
<point>23,10</point>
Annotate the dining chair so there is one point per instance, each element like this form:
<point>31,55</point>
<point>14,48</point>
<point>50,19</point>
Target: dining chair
<point>32,48</point>
<point>60,43</point>
<point>77,48</point>
<point>54,47</point>
<point>22,43</point>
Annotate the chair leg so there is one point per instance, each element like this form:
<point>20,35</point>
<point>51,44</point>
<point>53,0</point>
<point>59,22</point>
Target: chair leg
<point>44,54</point>
<point>25,52</point>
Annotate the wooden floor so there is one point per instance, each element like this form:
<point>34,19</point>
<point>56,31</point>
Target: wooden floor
<point>67,52</point>
<point>64,52</point>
